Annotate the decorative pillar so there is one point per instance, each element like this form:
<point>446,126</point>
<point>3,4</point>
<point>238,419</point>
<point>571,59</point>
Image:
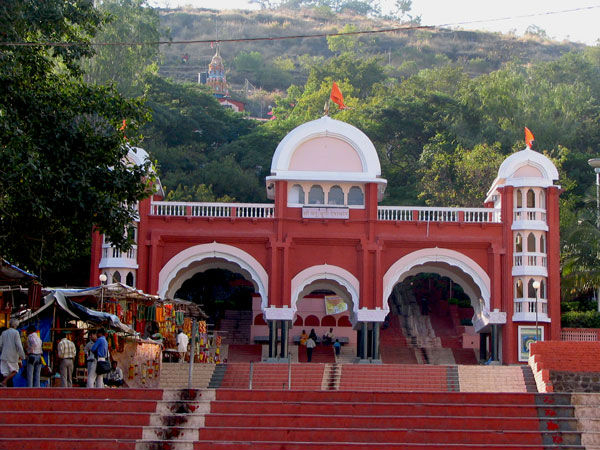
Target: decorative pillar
<point>375,351</point>
<point>483,347</point>
<point>284,339</point>
<point>494,342</point>
<point>272,338</point>
<point>364,339</point>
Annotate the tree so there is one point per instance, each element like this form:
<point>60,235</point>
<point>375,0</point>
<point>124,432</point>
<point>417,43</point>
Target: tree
<point>63,168</point>
<point>124,65</point>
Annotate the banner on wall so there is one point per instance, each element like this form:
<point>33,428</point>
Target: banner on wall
<point>334,304</point>
<point>527,335</point>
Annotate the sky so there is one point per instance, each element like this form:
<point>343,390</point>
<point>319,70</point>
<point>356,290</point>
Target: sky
<point>578,26</point>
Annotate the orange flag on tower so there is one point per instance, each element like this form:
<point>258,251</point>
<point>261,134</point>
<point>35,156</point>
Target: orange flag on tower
<point>529,138</point>
<point>336,96</point>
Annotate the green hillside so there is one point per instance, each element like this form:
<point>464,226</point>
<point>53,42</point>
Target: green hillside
<point>287,61</point>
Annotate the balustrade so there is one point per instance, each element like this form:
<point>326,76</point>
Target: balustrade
<point>531,214</point>
<point>531,259</point>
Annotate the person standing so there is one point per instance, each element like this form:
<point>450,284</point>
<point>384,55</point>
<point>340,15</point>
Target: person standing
<point>182,344</point>
<point>90,360</point>
<point>34,357</point>
<point>11,353</point>
<point>100,350</point>
<point>66,354</point>
<point>310,344</point>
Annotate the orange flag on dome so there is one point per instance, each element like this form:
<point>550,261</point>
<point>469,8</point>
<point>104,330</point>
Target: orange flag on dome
<point>336,96</point>
<point>529,138</point>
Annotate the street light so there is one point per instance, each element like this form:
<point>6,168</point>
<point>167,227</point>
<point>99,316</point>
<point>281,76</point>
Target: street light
<point>102,279</point>
<point>536,286</point>
<point>595,163</point>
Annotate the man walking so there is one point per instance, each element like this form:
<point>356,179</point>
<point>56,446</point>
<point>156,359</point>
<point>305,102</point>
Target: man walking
<point>11,353</point>
<point>100,350</point>
<point>66,354</point>
<point>182,344</point>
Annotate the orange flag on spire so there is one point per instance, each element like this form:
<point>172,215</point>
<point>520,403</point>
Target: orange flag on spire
<point>529,138</point>
<point>336,96</point>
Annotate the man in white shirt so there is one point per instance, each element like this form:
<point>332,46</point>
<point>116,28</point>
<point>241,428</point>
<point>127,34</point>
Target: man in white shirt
<point>11,352</point>
<point>182,344</point>
<point>90,359</point>
<point>66,353</point>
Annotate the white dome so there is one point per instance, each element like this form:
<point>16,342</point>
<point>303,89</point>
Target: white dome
<point>511,165</point>
<point>326,150</point>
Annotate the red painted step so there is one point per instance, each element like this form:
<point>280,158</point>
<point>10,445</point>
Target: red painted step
<point>244,353</point>
<point>83,393</point>
<point>262,445</point>
<point>77,417</point>
<point>82,405</point>
<point>66,444</point>
<point>374,422</point>
<point>299,434</point>
<point>70,431</point>
<point>372,409</point>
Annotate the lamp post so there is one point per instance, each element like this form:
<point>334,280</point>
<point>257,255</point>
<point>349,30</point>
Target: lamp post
<point>536,286</point>
<point>102,279</point>
<point>595,163</point>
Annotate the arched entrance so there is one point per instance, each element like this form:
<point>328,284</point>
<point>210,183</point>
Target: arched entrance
<point>435,297</point>
<point>224,280</point>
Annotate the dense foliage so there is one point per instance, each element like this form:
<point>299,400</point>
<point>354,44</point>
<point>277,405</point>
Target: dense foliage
<point>62,168</point>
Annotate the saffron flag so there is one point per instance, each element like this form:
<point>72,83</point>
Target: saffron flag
<point>529,138</point>
<point>336,96</point>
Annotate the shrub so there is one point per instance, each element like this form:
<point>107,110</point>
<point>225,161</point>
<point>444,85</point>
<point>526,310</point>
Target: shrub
<point>581,319</point>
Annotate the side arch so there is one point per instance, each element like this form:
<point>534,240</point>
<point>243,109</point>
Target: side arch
<point>175,271</point>
<point>442,257</point>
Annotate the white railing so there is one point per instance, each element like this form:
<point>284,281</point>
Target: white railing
<point>113,252</point>
<point>530,259</point>
<point>424,214</point>
<point>528,306</point>
<point>196,209</point>
<point>530,214</point>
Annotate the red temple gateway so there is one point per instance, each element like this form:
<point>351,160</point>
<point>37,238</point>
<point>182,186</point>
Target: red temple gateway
<point>325,236</point>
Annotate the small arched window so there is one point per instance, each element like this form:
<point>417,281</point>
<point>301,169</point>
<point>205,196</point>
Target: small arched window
<point>530,198</point>
<point>518,243</point>
<point>519,198</point>
<point>519,293</point>
<point>297,194</point>
<point>542,244</point>
<point>356,196</point>
<point>116,277</point>
<point>129,280</point>
<point>335,196</point>
<point>542,199</point>
<point>543,289</point>
<point>531,243</point>
<point>530,289</point>
<point>316,196</point>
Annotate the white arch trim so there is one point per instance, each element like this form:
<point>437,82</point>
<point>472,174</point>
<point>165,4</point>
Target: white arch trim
<point>326,126</point>
<point>441,255</point>
<point>184,259</point>
<point>325,272</point>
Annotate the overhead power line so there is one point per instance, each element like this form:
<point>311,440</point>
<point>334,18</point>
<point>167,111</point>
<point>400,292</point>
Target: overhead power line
<point>297,36</point>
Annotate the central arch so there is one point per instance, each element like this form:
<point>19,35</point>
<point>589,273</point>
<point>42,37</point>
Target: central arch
<point>214,255</point>
<point>326,276</point>
<point>445,262</point>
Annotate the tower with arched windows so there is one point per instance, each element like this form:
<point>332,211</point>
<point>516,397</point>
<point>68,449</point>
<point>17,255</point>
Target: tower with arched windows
<point>525,184</point>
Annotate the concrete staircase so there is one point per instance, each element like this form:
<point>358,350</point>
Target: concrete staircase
<point>176,375</point>
<point>345,420</point>
<point>587,412</point>
<point>235,326</point>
